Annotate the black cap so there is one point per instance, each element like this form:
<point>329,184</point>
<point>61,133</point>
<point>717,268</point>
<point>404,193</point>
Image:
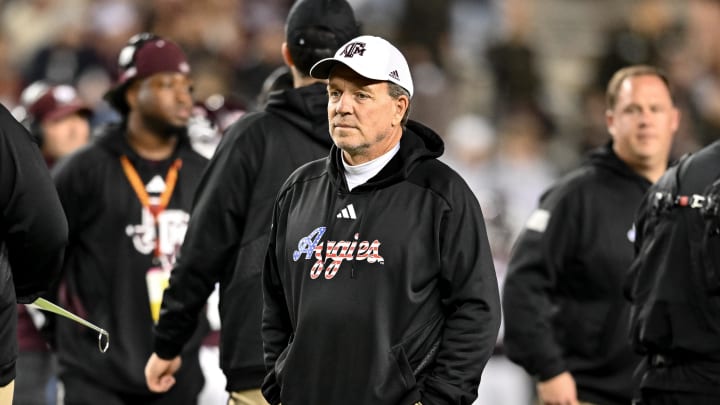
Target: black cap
<point>315,29</point>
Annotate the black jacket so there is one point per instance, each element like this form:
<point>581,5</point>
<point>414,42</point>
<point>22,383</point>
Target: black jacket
<point>674,282</point>
<point>227,235</point>
<point>563,298</point>
<point>33,232</point>
<point>383,295</point>
<point>111,249</point>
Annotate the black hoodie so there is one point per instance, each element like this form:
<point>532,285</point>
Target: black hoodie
<point>231,217</point>
<point>112,242</point>
<point>382,295</point>
<point>563,298</point>
<point>673,283</point>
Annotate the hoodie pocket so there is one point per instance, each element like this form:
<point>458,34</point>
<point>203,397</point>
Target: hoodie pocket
<point>404,370</point>
<point>280,364</point>
<point>416,352</point>
<point>581,327</point>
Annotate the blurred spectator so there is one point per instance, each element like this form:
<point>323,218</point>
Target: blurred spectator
<point>265,25</point>
<point>425,24</point>
<point>127,198</point>
<point>65,59</point>
<point>648,32</point>
<point>32,24</point>
<point>523,169</point>
<point>57,117</point>
<point>702,62</point>
<point>209,120</point>
<point>512,62</point>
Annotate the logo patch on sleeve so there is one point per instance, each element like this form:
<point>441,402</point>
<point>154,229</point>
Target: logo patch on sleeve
<point>538,220</point>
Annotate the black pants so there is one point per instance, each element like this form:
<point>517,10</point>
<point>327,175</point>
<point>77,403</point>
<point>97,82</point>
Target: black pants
<point>80,391</point>
<point>657,397</point>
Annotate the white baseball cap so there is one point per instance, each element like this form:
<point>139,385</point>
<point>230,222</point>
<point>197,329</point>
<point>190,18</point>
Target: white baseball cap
<point>371,57</point>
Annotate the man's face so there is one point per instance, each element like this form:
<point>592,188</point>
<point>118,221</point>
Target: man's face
<point>164,101</point>
<point>364,120</point>
<point>64,135</point>
<point>643,121</point>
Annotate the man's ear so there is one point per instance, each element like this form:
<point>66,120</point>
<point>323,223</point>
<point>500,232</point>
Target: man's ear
<point>131,95</point>
<point>402,103</point>
<point>286,55</point>
<point>610,122</point>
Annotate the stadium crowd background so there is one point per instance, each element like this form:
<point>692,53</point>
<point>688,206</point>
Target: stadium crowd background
<point>501,60</point>
<point>516,87</point>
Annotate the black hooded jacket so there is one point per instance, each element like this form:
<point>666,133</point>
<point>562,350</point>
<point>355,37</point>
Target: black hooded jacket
<point>33,232</point>
<point>382,295</point>
<point>563,297</point>
<point>112,242</point>
<point>227,235</point>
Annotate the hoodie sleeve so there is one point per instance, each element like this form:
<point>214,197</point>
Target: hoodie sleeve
<point>34,227</point>
<point>471,302</point>
<point>212,238</point>
<point>536,261</point>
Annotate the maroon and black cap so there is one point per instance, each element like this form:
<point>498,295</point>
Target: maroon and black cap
<point>144,55</point>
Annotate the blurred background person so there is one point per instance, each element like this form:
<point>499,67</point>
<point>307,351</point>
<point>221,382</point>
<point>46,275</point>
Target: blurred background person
<point>565,315</point>
<point>127,197</point>
<point>57,117</point>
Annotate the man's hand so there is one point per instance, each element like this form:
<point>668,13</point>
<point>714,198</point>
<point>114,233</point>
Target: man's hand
<point>559,390</point>
<point>159,373</point>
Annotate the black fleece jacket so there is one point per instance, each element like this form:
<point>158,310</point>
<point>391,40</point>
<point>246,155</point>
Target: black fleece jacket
<point>563,297</point>
<point>111,249</point>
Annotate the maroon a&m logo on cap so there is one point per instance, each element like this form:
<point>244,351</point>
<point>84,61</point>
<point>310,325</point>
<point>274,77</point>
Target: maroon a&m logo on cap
<point>353,48</point>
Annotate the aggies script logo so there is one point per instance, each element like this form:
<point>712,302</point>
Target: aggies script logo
<point>336,252</point>
<point>353,48</point>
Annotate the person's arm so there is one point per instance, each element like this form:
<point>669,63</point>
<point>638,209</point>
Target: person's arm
<point>536,260</point>
<point>33,225</point>
<point>211,241</point>
<point>471,302</point>
<point>276,325</point>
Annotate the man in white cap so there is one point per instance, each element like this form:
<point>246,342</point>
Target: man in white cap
<point>378,285</point>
